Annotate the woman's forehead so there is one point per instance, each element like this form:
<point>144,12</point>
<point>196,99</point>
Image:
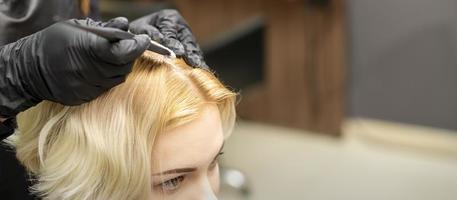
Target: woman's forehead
<point>190,145</point>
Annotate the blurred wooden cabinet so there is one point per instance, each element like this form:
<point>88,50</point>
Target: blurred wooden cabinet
<point>305,58</point>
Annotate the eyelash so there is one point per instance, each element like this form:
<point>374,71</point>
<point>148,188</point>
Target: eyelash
<point>172,184</point>
<point>175,182</point>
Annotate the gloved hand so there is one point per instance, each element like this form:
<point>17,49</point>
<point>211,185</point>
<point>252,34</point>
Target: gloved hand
<point>64,65</point>
<point>170,29</point>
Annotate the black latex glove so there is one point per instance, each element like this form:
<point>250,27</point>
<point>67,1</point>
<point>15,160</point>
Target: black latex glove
<point>64,65</point>
<point>170,29</point>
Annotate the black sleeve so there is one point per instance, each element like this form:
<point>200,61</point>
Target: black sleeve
<point>20,18</point>
<point>7,128</point>
<point>14,182</point>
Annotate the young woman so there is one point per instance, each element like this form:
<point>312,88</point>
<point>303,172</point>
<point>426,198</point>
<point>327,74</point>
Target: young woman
<point>158,135</point>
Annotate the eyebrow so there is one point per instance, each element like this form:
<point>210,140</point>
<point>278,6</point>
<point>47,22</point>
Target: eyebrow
<point>188,169</point>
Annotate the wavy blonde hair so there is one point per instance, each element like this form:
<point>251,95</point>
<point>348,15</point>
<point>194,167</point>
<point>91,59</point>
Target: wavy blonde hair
<point>102,149</point>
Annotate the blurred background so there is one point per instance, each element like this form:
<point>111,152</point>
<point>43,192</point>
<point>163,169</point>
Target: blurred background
<point>339,99</point>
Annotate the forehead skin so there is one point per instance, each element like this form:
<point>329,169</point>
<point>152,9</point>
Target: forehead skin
<point>190,145</point>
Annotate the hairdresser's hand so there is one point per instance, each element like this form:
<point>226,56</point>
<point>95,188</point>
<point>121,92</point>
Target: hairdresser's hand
<point>169,28</point>
<point>64,65</point>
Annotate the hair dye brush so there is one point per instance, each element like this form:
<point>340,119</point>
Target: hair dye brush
<point>107,33</point>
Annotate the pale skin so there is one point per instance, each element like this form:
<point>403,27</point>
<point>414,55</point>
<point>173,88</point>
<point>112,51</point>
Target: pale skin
<point>2,119</point>
<point>185,159</point>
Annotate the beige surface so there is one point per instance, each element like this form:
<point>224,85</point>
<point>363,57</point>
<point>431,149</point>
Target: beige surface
<point>290,164</point>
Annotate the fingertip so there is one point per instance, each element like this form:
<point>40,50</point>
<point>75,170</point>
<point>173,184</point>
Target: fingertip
<point>154,33</point>
<point>121,19</point>
<point>170,12</point>
<point>143,41</point>
<point>127,50</point>
<point>133,48</point>
<point>204,65</point>
<point>175,46</point>
<point>119,23</point>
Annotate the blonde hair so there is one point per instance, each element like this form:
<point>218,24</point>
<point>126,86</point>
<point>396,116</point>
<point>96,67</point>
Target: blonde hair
<point>102,149</point>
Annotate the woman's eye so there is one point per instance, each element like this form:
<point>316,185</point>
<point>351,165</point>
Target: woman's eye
<point>172,184</point>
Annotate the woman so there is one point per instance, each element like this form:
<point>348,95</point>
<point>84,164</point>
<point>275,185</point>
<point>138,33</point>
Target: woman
<point>156,136</point>
<point>39,61</point>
